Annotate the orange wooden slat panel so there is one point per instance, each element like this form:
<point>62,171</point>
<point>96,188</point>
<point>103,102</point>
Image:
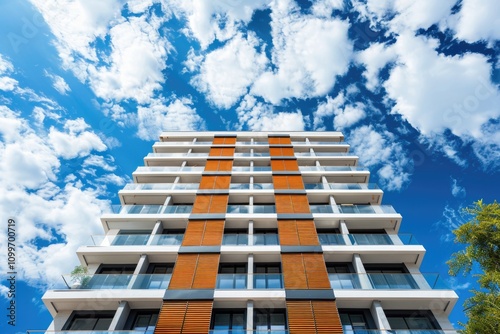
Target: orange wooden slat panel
<point>227,152</point>
<point>214,230</point>
<point>197,319</point>
<point>300,317</point>
<point>218,203</point>
<point>300,204</point>
<point>207,182</point>
<point>278,165</point>
<point>294,274</point>
<point>206,271</point>
<point>171,317</point>
<point>283,203</point>
<point>225,165</point>
<point>306,230</point>
<point>317,276</point>
<point>326,316</point>
<point>184,270</point>
<point>194,233</point>
<point>202,203</point>
<point>287,231</point>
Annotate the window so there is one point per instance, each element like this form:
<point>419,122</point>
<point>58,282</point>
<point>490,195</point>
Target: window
<point>355,319</point>
<point>89,320</point>
<point>267,276</point>
<point>370,237</point>
<point>235,237</point>
<point>142,320</point>
<point>265,321</point>
<point>228,321</point>
<point>232,276</point>
<point>384,276</point>
<point>158,276</point>
<point>111,276</point>
<point>410,319</point>
<point>265,237</point>
<point>342,276</point>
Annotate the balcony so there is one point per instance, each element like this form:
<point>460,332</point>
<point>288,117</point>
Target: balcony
<point>247,186</point>
<point>358,209</point>
<point>151,209</point>
<point>240,281</point>
<point>341,186</point>
<point>161,186</point>
<point>117,281</point>
<point>137,240</point>
<point>251,169</point>
<point>257,239</point>
<point>150,331</point>
<point>396,281</point>
<point>251,209</point>
<point>332,168</point>
<point>160,169</point>
<point>366,239</point>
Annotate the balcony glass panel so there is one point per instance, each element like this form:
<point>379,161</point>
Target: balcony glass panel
<point>167,239</point>
<point>268,239</point>
<point>151,209</point>
<point>117,281</point>
<point>312,186</point>
<point>249,208</point>
<point>235,239</point>
<point>132,240</point>
<point>231,281</point>
<point>263,186</point>
<point>262,168</point>
<point>241,168</point>
<point>239,281</point>
<point>321,208</point>
<point>388,281</point>
<point>264,209</point>
<point>331,239</point>
<point>370,239</point>
<point>268,281</point>
<point>242,186</point>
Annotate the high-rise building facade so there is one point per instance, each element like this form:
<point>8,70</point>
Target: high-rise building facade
<point>251,232</point>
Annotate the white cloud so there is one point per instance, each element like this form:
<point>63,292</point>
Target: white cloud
<point>257,116</point>
<point>158,117</point>
<point>327,109</point>
<point>381,150</point>
<point>456,189</point>
<point>401,15</point>
<point>59,83</point>
<point>451,220</point>
<point>48,207</point>
<point>309,53</point>
<point>226,73</point>
<point>478,20</point>
<point>75,142</point>
<point>452,93</point>
<point>345,113</point>
<point>8,84</point>
<point>5,65</point>
<point>374,58</point>
<point>324,8</point>
<point>210,20</point>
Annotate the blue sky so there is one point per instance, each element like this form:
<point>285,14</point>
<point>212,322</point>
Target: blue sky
<point>86,87</point>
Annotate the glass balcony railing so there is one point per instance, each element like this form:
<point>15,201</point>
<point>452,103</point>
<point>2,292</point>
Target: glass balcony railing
<point>388,281</point>
<point>148,331</point>
<point>117,281</point>
<point>361,209</point>
<point>170,143</point>
<point>320,208</point>
<point>240,281</point>
<point>319,143</point>
<point>366,239</point>
<point>259,239</point>
<point>349,330</point>
<point>249,168</point>
<point>161,186</point>
<point>246,186</point>
<point>318,154</point>
<point>151,209</point>
<point>160,169</point>
<point>332,168</point>
<point>183,154</point>
<point>137,240</point>
<point>249,154</point>
<point>251,209</point>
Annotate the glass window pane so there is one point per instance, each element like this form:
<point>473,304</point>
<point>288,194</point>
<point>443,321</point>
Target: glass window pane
<point>397,322</point>
<point>80,324</point>
<point>419,323</point>
<point>221,321</point>
<point>103,324</point>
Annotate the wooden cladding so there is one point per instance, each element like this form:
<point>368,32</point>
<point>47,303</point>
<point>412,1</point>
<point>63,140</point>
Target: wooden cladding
<point>284,165</point>
<point>184,317</point>
<point>215,182</point>
<point>281,151</point>
<point>195,271</point>
<point>291,204</point>
<point>304,271</point>
<point>210,204</point>
<point>288,182</point>
<point>221,151</point>
<point>204,233</point>
<point>224,141</point>
<point>280,141</point>
<point>219,165</point>
<point>297,233</point>
<point>316,316</point>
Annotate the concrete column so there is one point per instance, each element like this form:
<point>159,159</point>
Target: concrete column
<point>360,269</point>
<point>345,232</point>
<point>251,182</point>
<point>250,204</point>
<point>120,316</point>
<point>250,233</point>
<point>250,272</point>
<point>157,229</point>
<point>333,204</point>
<point>418,277</point>
<point>324,181</point>
<point>394,237</point>
<point>379,316</point>
<point>141,268</point>
<point>250,317</point>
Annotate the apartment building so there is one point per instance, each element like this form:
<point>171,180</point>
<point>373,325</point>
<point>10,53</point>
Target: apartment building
<point>251,232</point>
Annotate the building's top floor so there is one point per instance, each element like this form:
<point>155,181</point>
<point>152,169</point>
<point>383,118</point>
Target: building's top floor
<point>327,136</point>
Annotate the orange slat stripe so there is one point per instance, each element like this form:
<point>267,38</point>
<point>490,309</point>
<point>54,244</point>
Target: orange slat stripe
<point>278,165</point>
<point>225,165</point>
<point>184,270</point>
<point>212,165</point>
<point>280,182</point>
<point>171,317</point>
<point>207,182</point>
<point>283,203</point>
<point>327,317</point>
<point>317,276</point>
<point>202,204</point>
<point>222,182</point>
<point>218,203</point>
<point>306,231</point>
<point>287,231</point>
<point>214,230</point>
<point>300,204</point>
<point>194,233</point>
<point>295,182</point>
<point>300,317</point>
<point>197,319</point>
<point>206,271</point>
<point>291,165</point>
<point>294,273</point>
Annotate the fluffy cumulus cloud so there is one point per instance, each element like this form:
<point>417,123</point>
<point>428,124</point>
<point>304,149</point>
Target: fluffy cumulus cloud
<point>176,116</point>
<point>258,116</point>
<point>345,114</point>
<point>477,20</point>
<point>452,93</point>
<point>226,73</point>
<point>380,150</point>
<point>49,208</point>
<point>375,58</point>
<point>401,15</point>
<point>308,54</point>
<point>58,83</point>
<point>211,20</point>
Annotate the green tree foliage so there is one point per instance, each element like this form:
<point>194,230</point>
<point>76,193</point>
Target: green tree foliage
<point>481,235</point>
